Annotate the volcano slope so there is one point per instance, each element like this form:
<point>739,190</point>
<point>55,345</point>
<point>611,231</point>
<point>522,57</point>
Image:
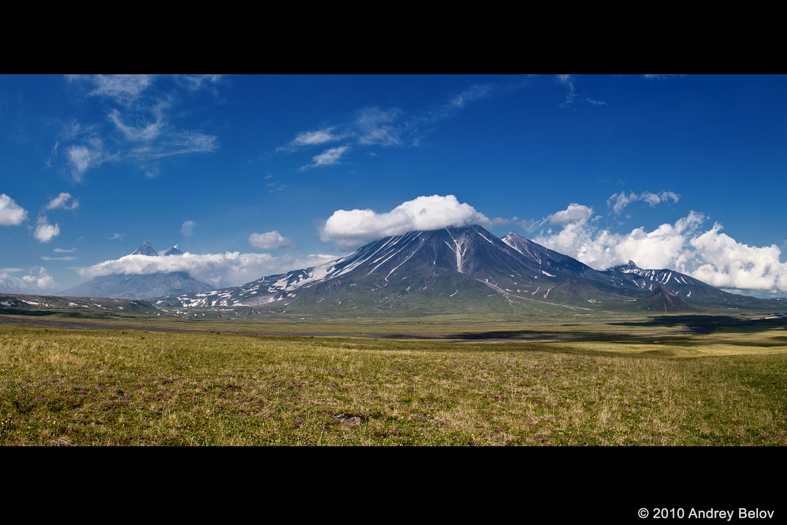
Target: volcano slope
<point>457,270</point>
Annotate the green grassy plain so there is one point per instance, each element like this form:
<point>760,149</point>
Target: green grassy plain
<point>620,380</point>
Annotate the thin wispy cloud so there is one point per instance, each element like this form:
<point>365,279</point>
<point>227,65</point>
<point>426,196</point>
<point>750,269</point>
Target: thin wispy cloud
<point>123,89</point>
<point>382,127</point>
<point>140,130</point>
<point>144,133</point>
<point>117,237</point>
<point>63,201</point>
<point>85,156</point>
<point>63,250</point>
<point>310,138</point>
<point>187,228</point>
<point>619,201</point>
<point>329,157</point>
<point>66,258</point>
<point>568,82</point>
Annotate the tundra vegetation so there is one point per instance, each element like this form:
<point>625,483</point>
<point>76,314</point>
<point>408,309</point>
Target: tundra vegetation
<point>435,380</point>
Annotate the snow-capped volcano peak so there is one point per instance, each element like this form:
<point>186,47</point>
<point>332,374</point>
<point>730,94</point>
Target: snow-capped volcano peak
<point>145,249</point>
<point>625,268</point>
<point>173,251</point>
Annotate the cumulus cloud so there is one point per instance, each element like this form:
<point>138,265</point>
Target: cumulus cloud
<point>64,201</point>
<point>725,262</point>
<point>272,240</point>
<point>621,200</point>
<point>710,256</point>
<point>45,232</point>
<point>574,213</point>
<point>220,270</point>
<point>187,228</point>
<point>11,214</point>
<point>39,277</point>
<point>354,228</point>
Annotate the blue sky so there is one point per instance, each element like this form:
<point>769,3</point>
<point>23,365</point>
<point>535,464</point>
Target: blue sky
<point>259,174</point>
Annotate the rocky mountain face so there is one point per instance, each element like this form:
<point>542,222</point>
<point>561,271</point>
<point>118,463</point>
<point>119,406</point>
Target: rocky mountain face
<point>144,286</point>
<point>456,270</point>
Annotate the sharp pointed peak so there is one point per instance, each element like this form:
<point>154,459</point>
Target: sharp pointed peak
<point>145,249</point>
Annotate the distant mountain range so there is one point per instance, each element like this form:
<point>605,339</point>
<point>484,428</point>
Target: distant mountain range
<point>463,270</point>
<point>10,284</point>
<point>143,286</point>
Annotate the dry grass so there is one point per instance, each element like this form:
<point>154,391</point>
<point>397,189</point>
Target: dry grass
<point>134,387</point>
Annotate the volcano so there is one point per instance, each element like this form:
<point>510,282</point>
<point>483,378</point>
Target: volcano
<point>451,270</point>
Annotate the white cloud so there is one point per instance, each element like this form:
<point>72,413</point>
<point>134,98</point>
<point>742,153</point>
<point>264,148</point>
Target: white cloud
<point>726,262</point>
<point>11,214</point>
<point>327,158</point>
<point>144,133</point>
<point>82,157</point>
<point>121,88</point>
<point>170,145</point>
<point>311,138</point>
<point>374,126</point>
<point>470,94</point>
<point>272,240</point>
<point>621,200</point>
<point>351,229</point>
<point>568,81</point>
<point>187,228</point>
<point>140,131</point>
<point>196,81</point>
<point>220,270</point>
<point>45,232</point>
<point>575,212</point>
<point>64,201</point>
<point>710,256</point>
<point>63,250</point>
<point>66,258</point>
<point>41,279</point>
<point>117,237</point>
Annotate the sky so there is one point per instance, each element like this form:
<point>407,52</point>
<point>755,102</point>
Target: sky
<point>254,175</point>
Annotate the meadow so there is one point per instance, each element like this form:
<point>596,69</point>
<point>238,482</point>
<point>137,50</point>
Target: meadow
<point>440,381</point>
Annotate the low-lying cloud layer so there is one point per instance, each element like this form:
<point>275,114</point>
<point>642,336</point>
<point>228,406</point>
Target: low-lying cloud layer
<point>354,228</point>
<point>710,256</point>
<point>218,269</point>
